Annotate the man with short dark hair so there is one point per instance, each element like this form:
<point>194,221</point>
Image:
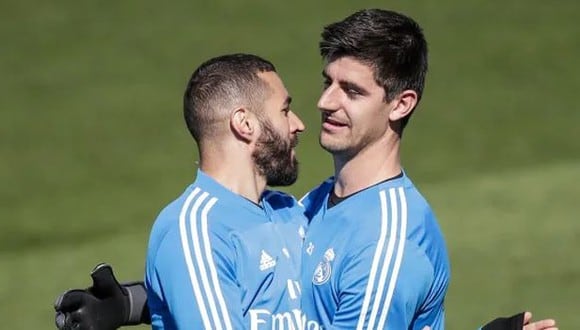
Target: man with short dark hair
<point>216,254</point>
<point>375,257</point>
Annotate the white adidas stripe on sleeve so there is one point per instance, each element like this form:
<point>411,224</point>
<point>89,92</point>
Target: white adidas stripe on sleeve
<point>200,260</point>
<point>395,248</point>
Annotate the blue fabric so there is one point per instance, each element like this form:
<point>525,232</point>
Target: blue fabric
<point>376,260</point>
<point>217,260</point>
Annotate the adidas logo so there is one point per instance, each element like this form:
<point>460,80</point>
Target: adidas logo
<point>266,261</point>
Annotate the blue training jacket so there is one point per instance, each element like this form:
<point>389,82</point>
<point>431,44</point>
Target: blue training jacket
<point>216,260</point>
<point>375,260</point>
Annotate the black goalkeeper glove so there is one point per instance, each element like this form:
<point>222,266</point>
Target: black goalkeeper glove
<point>514,322</point>
<point>106,305</point>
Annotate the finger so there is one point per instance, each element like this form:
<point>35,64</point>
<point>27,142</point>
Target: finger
<point>99,266</point>
<point>73,321</point>
<point>69,301</point>
<point>527,317</point>
<point>59,320</point>
<point>104,281</point>
<point>541,325</point>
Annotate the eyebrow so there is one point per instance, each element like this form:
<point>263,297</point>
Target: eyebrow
<point>287,101</point>
<point>346,84</point>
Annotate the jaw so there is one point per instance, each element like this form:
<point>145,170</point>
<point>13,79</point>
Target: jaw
<point>339,145</point>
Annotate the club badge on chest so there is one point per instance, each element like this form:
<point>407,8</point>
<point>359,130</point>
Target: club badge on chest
<point>324,269</point>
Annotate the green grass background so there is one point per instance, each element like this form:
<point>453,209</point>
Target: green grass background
<point>92,142</point>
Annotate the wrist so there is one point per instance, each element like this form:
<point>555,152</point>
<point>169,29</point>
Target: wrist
<point>138,313</point>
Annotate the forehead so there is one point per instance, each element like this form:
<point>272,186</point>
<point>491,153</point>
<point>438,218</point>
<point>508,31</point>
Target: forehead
<point>351,70</point>
<point>275,84</point>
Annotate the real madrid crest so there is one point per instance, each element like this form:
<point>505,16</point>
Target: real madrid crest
<point>324,269</point>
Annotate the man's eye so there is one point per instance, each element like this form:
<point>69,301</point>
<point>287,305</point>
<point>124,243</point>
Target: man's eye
<point>352,92</point>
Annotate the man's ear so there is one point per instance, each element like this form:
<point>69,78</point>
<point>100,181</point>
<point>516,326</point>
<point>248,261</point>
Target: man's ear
<point>244,124</point>
<point>404,104</point>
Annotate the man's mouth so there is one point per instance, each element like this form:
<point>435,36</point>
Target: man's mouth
<point>330,123</point>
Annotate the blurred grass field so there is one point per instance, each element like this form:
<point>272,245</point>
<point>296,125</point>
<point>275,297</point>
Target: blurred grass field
<point>93,144</point>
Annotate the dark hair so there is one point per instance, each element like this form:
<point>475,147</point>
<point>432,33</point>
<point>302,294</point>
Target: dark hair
<point>219,84</point>
<point>391,43</point>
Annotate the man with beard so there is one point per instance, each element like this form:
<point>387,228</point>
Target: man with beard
<point>217,253</point>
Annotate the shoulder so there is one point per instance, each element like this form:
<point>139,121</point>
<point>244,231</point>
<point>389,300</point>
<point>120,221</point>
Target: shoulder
<point>191,217</point>
<point>424,230</point>
<point>193,203</point>
<point>168,218</point>
<point>414,207</point>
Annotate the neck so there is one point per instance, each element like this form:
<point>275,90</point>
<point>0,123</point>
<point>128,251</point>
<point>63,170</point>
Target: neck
<point>375,163</point>
<point>233,170</point>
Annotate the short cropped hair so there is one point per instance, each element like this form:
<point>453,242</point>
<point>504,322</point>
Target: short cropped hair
<point>220,84</point>
<point>391,43</point>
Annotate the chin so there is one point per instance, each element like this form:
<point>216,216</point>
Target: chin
<point>331,146</point>
<point>334,149</point>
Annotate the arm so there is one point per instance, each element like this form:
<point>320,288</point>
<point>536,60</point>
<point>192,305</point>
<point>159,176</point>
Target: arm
<point>432,310</point>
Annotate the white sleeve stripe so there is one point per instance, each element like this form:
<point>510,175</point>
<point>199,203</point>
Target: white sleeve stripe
<point>212,269</point>
<point>394,276</point>
<point>391,248</point>
<point>199,260</point>
<point>376,258</point>
<point>189,262</point>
